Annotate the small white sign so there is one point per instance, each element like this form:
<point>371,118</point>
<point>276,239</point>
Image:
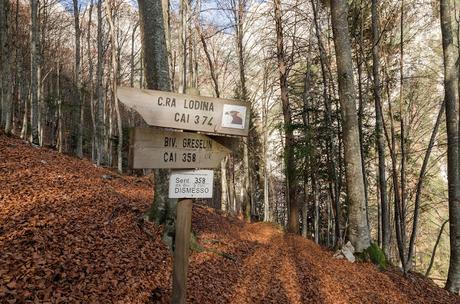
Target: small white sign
<point>191,184</point>
<point>234,116</point>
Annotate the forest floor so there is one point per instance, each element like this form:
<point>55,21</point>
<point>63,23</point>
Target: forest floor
<point>72,233</point>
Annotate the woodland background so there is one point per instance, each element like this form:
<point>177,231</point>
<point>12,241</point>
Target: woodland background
<point>61,61</point>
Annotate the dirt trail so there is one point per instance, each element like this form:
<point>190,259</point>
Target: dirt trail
<point>71,233</point>
<point>273,267</point>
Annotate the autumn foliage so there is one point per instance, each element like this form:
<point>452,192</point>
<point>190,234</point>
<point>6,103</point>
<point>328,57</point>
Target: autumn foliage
<point>74,233</point>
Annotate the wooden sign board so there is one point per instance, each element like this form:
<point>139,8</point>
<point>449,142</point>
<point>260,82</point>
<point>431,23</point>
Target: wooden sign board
<point>153,148</point>
<point>188,112</point>
<point>191,184</point>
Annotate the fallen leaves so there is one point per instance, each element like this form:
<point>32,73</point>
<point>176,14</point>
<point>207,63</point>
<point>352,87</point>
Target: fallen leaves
<point>72,233</point>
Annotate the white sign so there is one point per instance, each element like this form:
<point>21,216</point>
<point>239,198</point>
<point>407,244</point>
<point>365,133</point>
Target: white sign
<point>191,184</point>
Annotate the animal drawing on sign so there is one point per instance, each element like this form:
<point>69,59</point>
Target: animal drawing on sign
<point>236,120</point>
<point>234,116</point>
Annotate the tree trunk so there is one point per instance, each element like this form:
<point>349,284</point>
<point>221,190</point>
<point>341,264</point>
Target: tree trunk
<point>183,47</point>
<point>433,254</point>
<point>293,218</point>
<point>265,147</point>
<point>100,88</point>
<point>209,59</point>
<point>418,191</point>
<point>157,77</point>
<point>361,104</point>
<point>132,63</point>
<point>91,88</point>
<point>34,71</point>
<point>314,194</point>
<point>224,201</point>
<point>76,13</point>
<point>3,26</point>
<point>238,14</point>
<point>402,206</point>
<point>358,232</point>
<point>154,45</point>
<point>59,110</point>
<point>331,147</point>
<point>231,186</point>
<point>5,66</point>
<point>114,85</point>
<point>453,174</point>
<point>384,215</point>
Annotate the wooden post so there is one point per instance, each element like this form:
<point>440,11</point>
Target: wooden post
<point>181,250</point>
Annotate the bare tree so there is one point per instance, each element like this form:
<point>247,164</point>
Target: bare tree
<point>358,231</point>
<point>34,70</point>
<point>91,85</point>
<point>100,89</point>
<point>384,211</point>
<point>5,66</point>
<point>76,14</point>
<point>293,216</point>
<point>451,98</point>
<point>114,40</point>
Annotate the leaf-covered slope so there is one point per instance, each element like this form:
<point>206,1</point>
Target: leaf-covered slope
<point>72,233</point>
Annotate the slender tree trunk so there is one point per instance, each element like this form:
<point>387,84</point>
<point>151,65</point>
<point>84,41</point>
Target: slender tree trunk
<point>308,148</point>
<point>304,209</point>
<point>396,185</point>
<point>114,85</point>
<point>267,93</point>
<point>239,14</point>
<point>100,89</point>
<point>76,13</point>
<point>418,191</point>
<point>92,104</point>
<point>331,147</point>
<point>42,30</point>
<point>209,60</point>
<point>293,218</point>
<point>224,200</point>
<point>183,46</point>
<point>453,174</point>
<point>133,66</point>
<point>361,103</point>
<point>190,47</point>
<point>34,71</point>
<point>231,186</point>
<point>384,215</point>
<point>3,26</point>
<point>314,193</point>
<point>59,114</point>
<point>433,254</point>
<point>358,232</point>
<point>402,207</point>
<point>5,65</point>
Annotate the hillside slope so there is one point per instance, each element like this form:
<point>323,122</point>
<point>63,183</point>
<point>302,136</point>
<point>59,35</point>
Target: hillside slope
<point>71,233</point>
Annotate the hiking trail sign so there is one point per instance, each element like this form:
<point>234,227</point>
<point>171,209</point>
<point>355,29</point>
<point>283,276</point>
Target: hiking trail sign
<point>191,183</point>
<point>154,148</point>
<point>188,112</point>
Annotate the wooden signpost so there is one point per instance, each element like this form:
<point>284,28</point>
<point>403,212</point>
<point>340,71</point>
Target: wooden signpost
<point>154,148</point>
<point>188,112</point>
